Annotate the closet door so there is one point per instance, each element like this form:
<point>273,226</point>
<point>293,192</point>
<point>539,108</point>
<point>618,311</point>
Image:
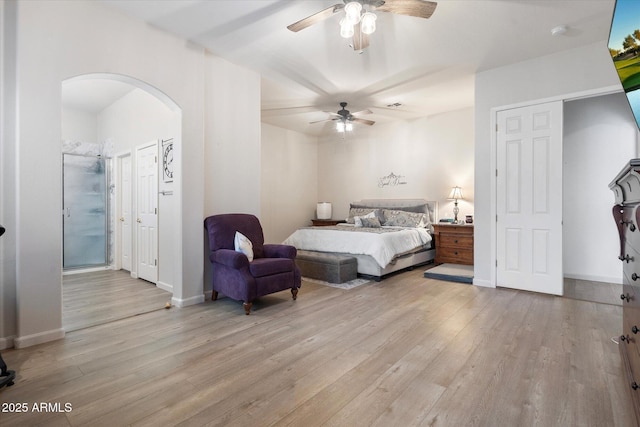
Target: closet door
<point>125,232</point>
<point>147,211</point>
<point>529,198</point>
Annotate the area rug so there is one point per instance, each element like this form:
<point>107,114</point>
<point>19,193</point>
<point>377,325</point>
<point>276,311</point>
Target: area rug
<point>346,285</point>
<point>451,272</point>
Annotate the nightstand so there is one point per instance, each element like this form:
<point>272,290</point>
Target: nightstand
<point>454,243</point>
<point>326,222</point>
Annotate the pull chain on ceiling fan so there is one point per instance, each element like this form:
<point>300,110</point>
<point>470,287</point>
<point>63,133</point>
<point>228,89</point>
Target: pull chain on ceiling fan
<point>359,21</point>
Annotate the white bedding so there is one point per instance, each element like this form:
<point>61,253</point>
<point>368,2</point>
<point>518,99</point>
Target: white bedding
<point>383,247</point>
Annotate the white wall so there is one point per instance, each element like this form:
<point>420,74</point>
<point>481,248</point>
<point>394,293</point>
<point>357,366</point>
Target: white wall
<point>232,129</point>
<point>135,119</point>
<point>79,126</point>
<point>289,181</point>
<point>599,139</point>
<point>56,41</point>
<point>577,70</point>
<point>432,154</point>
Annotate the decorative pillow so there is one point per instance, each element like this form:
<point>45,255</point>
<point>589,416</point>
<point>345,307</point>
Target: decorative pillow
<point>353,212</point>
<point>243,244</point>
<point>357,220</point>
<point>371,222</point>
<point>405,219</point>
<point>419,208</point>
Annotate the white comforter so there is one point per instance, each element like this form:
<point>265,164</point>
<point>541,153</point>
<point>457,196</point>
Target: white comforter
<point>383,247</point>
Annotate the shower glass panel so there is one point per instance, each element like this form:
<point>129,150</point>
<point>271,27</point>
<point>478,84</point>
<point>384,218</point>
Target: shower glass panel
<point>85,213</point>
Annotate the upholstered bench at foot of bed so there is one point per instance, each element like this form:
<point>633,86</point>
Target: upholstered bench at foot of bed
<point>332,268</point>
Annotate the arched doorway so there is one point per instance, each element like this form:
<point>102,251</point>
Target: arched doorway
<point>114,124</point>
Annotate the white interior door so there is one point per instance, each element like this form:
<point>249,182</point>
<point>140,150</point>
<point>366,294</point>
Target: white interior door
<point>147,211</point>
<point>529,198</point>
<point>125,232</point>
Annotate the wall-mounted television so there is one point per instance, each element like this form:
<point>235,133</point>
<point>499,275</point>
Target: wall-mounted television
<point>624,46</point>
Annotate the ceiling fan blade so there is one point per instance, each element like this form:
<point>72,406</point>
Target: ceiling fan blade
<point>417,8</point>
<point>360,39</point>
<point>315,18</point>
<point>359,113</point>
<point>363,121</point>
<point>327,120</point>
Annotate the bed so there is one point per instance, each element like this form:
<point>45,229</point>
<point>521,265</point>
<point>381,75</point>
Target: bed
<point>397,234</point>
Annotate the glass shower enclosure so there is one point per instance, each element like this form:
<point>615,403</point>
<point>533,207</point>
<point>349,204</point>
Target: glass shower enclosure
<point>85,211</point>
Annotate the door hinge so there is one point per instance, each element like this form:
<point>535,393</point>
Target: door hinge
<point>155,211</point>
<point>496,127</point>
<point>496,263</point>
<point>155,159</point>
<point>155,262</point>
<point>496,172</point>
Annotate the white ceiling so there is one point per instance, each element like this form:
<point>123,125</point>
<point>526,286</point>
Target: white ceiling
<point>427,65</point>
<point>92,95</point>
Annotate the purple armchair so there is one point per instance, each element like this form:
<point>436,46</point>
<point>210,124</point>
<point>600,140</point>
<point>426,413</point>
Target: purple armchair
<point>273,268</point>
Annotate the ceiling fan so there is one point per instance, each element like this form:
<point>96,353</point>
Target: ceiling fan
<point>359,20</point>
<point>344,118</point>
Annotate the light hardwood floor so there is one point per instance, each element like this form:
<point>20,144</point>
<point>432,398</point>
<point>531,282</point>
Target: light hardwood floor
<point>587,290</point>
<point>402,352</point>
<point>96,298</point>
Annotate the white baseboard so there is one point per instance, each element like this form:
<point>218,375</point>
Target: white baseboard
<point>39,338</point>
<point>591,278</point>
<point>483,283</point>
<point>7,342</point>
<point>178,302</point>
<point>165,286</point>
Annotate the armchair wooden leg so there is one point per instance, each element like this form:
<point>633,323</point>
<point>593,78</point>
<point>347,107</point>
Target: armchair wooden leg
<point>294,293</point>
<point>214,296</point>
<point>247,307</point>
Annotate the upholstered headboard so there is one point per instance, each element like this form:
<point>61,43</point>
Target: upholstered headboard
<point>410,205</point>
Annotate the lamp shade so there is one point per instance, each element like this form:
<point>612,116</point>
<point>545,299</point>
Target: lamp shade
<point>456,194</point>
<point>323,210</point>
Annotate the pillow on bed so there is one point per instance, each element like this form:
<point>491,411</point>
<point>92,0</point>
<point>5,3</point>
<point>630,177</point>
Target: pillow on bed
<point>353,212</point>
<point>421,208</point>
<point>370,222</point>
<point>358,220</point>
<point>396,218</point>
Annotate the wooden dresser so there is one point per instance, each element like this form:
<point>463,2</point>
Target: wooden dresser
<point>626,187</point>
<point>454,243</point>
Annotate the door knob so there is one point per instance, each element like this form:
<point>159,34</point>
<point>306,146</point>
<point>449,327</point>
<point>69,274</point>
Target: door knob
<point>121,219</point>
<point>138,220</point>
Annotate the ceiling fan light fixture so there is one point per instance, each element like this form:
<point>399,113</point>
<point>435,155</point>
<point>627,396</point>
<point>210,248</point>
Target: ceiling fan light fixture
<point>368,24</point>
<point>340,127</point>
<point>352,12</point>
<point>348,127</point>
<point>346,28</point>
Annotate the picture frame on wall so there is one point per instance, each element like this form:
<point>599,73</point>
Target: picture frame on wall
<point>167,160</point>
